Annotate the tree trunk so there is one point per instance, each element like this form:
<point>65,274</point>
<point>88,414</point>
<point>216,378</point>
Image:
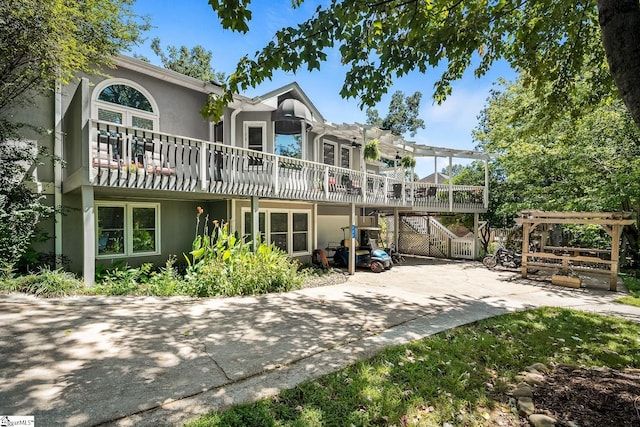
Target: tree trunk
<point>620,24</point>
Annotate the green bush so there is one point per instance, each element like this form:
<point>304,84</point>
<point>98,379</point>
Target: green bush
<point>122,280</point>
<point>46,283</point>
<point>222,264</point>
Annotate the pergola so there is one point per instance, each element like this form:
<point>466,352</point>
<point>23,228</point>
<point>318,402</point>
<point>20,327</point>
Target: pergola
<point>580,259</point>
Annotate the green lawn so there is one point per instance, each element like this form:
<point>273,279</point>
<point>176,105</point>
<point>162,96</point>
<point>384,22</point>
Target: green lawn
<point>633,285</point>
<point>458,376</point>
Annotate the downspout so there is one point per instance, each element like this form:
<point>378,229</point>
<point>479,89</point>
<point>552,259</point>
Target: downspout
<point>232,218</point>
<point>57,174</point>
<point>316,141</point>
<point>234,114</point>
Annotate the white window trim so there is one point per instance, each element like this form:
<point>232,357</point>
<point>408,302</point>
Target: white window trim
<point>126,112</point>
<point>245,133</point>
<point>339,156</point>
<point>128,229</point>
<point>336,152</point>
<point>267,223</point>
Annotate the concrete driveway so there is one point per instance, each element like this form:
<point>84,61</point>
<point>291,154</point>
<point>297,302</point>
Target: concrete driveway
<point>160,361</point>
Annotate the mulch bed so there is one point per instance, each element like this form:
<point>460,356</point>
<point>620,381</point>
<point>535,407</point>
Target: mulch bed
<point>590,397</point>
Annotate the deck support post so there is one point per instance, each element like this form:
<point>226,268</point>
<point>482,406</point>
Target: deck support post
<point>486,184</point>
<point>396,229</point>
<point>352,247</point>
<point>89,236</point>
<point>450,183</point>
<point>526,229</point>
<point>255,222</point>
<point>615,256</point>
<point>476,241</point>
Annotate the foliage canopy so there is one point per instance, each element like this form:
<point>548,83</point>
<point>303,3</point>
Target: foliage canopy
<point>402,116</point>
<point>194,62</point>
<point>42,41</point>
<point>378,42</point>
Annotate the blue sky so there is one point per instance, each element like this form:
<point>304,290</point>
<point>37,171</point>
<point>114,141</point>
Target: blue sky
<point>193,22</point>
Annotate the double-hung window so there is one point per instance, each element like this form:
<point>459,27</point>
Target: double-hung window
<point>286,229</point>
<point>255,135</point>
<point>127,229</point>
<point>345,157</point>
<point>329,153</point>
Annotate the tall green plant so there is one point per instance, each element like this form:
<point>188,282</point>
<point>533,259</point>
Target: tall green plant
<point>221,263</point>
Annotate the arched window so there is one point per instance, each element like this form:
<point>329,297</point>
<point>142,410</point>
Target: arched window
<point>125,103</point>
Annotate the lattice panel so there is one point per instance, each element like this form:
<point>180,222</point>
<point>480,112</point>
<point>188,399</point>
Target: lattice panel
<point>412,242</point>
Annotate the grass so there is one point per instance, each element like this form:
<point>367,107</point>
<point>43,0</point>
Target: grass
<point>45,284</point>
<point>633,285</point>
<point>458,376</point>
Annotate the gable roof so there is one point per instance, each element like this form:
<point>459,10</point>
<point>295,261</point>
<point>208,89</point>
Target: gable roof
<point>431,179</point>
<point>167,75</point>
<point>270,100</point>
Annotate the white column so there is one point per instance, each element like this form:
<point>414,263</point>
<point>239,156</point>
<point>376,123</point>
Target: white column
<point>486,184</point>
<point>255,222</point>
<point>450,184</point>
<point>315,226</point>
<point>435,168</point>
<point>203,165</point>
<point>476,241</point>
<point>352,246</point>
<point>89,236</point>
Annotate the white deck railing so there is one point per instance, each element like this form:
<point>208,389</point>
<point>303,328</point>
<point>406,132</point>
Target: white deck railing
<point>135,158</point>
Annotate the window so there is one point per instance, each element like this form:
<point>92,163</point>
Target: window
<point>125,103</point>
<point>218,132</point>
<point>288,145</point>
<point>255,135</point>
<point>286,229</point>
<point>345,157</point>
<point>329,153</point>
<point>300,231</point>
<point>262,225</point>
<point>127,229</point>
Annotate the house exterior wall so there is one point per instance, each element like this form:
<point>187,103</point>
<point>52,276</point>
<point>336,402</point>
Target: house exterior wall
<point>179,107</point>
<point>177,227</point>
<point>75,112</point>
<point>38,132</point>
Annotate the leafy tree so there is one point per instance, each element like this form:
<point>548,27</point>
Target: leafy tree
<point>587,162</point>
<point>194,62</point>
<point>42,42</point>
<point>580,162</point>
<point>20,208</point>
<point>455,170</point>
<point>553,41</point>
<point>48,40</point>
<point>402,116</point>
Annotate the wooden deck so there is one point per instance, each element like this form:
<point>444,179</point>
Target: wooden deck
<point>133,158</point>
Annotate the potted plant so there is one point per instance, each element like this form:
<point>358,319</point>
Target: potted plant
<point>371,150</point>
<point>408,162</point>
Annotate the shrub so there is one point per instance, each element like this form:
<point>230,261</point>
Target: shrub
<point>122,280</point>
<point>46,283</point>
<point>222,264</point>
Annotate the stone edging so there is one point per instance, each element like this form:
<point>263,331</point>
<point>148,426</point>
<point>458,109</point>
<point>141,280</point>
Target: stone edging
<point>533,376</point>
